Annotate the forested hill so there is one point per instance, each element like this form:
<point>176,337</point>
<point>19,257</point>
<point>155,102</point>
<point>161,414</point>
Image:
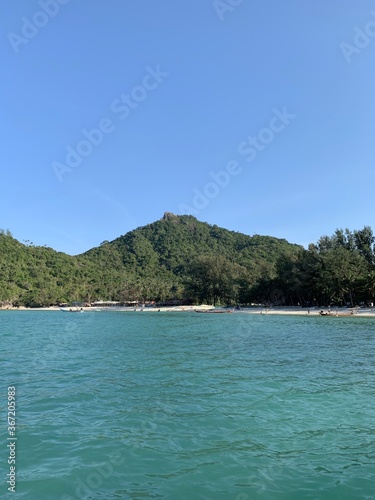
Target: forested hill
<point>179,257</point>
<point>172,244</point>
<point>158,261</point>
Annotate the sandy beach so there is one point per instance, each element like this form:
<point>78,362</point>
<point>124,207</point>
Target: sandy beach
<point>114,309</point>
<point>356,312</point>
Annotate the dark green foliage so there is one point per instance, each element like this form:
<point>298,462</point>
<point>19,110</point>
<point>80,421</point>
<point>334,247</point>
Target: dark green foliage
<point>339,269</point>
<point>213,278</point>
<point>162,260</point>
<point>179,257</point>
<point>156,262</point>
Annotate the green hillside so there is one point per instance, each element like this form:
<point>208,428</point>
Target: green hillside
<point>155,262</point>
<point>179,257</point>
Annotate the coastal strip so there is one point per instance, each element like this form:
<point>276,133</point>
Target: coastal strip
<point>354,312</point>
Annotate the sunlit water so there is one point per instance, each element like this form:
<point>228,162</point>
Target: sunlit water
<point>189,406</point>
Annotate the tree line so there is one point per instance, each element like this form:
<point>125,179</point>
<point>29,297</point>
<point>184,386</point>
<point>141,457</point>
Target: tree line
<point>181,258</point>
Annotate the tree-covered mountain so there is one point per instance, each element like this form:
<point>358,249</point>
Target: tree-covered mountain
<point>152,262</point>
<point>159,258</point>
<point>179,257</point>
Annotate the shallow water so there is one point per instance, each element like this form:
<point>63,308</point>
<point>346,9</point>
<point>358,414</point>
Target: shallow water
<point>189,406</point>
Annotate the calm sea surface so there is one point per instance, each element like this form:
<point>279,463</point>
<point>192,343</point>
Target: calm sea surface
<point>181,406</point>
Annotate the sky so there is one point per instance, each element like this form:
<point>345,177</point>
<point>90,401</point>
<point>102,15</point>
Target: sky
<point>257,116</point>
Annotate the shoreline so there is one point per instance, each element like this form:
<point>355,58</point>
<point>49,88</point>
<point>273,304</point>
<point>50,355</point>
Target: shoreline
<point>111,309</point>
<point>343,312</point>
<point>368,312</point>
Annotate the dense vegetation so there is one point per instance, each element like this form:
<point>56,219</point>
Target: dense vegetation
<point>179,257</point>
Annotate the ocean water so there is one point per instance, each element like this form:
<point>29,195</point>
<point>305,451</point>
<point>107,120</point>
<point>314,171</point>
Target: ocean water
<point>189,406</point>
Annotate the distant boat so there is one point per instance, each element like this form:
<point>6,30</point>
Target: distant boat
<point>336,314</point>
<point>216,311</point>
<point>70,310</point>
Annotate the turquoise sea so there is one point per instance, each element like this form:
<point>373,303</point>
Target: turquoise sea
<point>115,405</point>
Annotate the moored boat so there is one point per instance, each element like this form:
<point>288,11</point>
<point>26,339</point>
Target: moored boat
<point>215,311</point>
<point>70,310</point>
<point>336,314</point>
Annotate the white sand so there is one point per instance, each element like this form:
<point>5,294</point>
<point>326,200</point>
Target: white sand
<point>283,310</point>
<point>313,311</point>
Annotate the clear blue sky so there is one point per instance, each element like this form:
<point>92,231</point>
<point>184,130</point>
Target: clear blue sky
<point>179,87</point>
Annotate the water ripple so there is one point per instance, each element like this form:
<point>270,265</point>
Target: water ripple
<point>237,407</point>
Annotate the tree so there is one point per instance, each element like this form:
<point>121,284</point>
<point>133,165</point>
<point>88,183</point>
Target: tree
<point>341,275</point>
<point>214,278</point>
